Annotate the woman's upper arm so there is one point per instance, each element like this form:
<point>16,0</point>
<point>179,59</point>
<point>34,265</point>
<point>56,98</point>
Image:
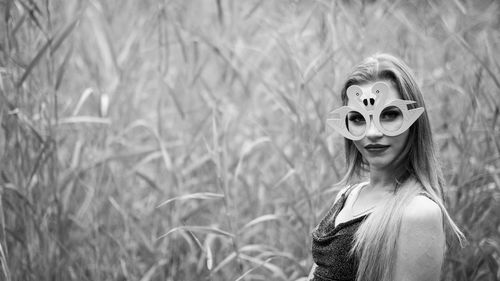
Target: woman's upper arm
<point>421,242</point>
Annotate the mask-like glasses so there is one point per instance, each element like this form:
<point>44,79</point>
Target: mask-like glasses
<point>391,119</point>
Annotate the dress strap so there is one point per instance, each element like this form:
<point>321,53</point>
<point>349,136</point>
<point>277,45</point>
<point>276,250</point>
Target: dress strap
<point>354,186</point>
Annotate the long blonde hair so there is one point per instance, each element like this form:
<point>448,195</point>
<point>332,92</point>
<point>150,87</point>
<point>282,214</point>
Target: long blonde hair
<point>416,171</point>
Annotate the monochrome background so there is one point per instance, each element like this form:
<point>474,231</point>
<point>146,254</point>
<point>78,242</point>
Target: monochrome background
<point>186,139</point>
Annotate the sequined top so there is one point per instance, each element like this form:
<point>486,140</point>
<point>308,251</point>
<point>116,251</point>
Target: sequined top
<point>331,245</point>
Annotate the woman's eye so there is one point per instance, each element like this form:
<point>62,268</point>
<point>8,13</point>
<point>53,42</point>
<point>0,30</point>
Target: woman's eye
<point>356,118</point>
<point>390,114</point>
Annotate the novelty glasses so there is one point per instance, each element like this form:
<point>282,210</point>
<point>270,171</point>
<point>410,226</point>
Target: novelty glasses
<point>391,118</point>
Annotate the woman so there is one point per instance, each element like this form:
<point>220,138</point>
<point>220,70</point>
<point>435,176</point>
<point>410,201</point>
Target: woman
<point>392,226</point>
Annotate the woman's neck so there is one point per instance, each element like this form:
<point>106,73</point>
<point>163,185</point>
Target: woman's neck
<point>382,180</point>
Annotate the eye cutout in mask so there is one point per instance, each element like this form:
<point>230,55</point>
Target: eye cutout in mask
<point>391,119</point>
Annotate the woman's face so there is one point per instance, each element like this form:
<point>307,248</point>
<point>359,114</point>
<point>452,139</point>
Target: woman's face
<point>378,149</point>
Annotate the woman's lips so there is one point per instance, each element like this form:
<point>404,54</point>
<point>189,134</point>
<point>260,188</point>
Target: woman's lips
<point>376,147</point>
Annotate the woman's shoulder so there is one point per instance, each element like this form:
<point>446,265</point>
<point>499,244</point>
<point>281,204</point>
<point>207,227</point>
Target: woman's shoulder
<point>422,209</point>
<point>421,242</point>
<point>422,224</point>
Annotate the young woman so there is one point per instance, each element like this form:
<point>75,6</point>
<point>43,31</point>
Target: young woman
<point>391,227</point>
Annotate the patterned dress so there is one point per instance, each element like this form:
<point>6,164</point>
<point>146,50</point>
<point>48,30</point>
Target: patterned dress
<point>331,245</point>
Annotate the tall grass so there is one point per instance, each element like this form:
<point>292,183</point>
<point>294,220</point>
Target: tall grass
<point>185,140</point>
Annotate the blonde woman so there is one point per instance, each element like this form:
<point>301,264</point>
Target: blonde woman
<point>391,227</point>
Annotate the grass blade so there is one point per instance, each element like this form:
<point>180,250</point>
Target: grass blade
<point>34,62</point>
<point>204,229</point>
<point>200,196</point>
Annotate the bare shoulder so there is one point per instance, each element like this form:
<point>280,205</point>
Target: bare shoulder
<point>422,222</point>
<point>422,210</point>
<point>421,242</point>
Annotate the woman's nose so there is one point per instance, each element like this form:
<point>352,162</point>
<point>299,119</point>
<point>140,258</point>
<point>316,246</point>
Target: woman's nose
<point>373,131</point>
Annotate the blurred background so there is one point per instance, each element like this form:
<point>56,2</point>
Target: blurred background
<point>186,140</point>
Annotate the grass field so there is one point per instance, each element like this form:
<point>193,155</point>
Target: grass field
<point>186,140</point>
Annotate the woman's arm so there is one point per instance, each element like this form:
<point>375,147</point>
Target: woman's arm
<point>421,242</point>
